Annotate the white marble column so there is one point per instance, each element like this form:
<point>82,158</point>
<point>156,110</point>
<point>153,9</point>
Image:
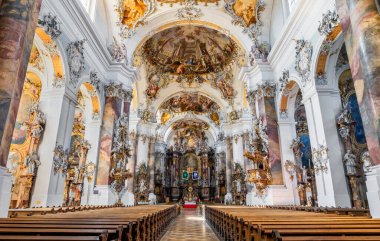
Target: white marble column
<point>131,166</point>
<point>321,111</point>
<point>5,191</point>
<point>151,160</point>
<point>373,190</point>
<point>238,149</point>
<point>92,135</point>
<point>286,129</point>
<point>59,109</point>
<point>229,168</point>
<point>142,150</point>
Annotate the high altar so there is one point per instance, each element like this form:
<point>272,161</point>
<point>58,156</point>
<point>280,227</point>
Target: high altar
<point>190,167</point>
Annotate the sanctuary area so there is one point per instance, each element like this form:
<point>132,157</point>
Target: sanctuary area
<point>189,119</point>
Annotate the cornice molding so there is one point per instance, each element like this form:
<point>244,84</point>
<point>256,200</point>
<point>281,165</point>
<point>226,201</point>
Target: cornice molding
<point>96,46</point>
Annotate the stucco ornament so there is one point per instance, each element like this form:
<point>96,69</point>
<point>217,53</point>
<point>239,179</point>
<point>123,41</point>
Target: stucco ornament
<point>118,51</point>
<point>304,53</point>
<point>51,25</point>
<point>132,14</point>
<point>95,80</point>
<point>330,20</point>
<point>75,54</point>
<point>284,80</point>
<point>246,14</point>
<point>59,159</point>
<point>189,11</point>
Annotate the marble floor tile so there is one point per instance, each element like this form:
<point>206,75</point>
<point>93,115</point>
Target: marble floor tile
<point>189,226</point>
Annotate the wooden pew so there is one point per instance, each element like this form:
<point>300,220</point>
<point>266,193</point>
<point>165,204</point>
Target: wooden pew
<point>242,223</point>
<point>128,223</point>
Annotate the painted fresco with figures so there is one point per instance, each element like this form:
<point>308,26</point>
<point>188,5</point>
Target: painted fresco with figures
<point>228,103</point>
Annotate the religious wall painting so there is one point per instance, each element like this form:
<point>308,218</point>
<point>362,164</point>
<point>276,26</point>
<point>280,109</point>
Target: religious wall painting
<point>224,84</point>
<point>111,111</point>
<point>155,82</point>
<point>274,142</point>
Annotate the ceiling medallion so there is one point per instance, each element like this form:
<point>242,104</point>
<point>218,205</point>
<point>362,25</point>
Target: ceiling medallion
<point>189,12</point>
<point>246,13</point>
<point>132,14</point>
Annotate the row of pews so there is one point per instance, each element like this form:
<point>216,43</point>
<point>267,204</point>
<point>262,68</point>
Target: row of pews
<point>270,224</point>
<point>12,213</point>
<point>327,210</point>
<point>140,223</point>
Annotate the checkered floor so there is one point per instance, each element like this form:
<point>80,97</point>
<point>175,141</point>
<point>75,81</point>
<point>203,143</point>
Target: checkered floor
<point>189,226</point>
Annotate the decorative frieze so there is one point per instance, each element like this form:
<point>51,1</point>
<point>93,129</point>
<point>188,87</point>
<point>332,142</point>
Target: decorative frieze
<point>116,90</point>
<point>51,25</point>
<point>268,89</point>
<point>75,56</point>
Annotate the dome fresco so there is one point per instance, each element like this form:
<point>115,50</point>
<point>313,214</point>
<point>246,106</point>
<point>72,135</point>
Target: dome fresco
<point>190,49</point>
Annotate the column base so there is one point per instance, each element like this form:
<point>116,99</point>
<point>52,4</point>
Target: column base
<point>102,195</point>
<point>152,199</point>
<point>5,191</point>
<point>253,199</point>
<point>228,198</point>
<point>373,191</point>
<point>128,199</point>
<point>276,195</point>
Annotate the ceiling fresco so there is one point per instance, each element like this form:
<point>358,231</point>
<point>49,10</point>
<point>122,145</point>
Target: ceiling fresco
<point>190,102</point>
<point>190,124</point>
<point>247,14</point>
<point>246,9</point>
<point>171,2</point>
<point>133,11</point>
<point>184,50</point>
<point>190,55</point>
<point>131,14</point>
<point>187,102</point>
